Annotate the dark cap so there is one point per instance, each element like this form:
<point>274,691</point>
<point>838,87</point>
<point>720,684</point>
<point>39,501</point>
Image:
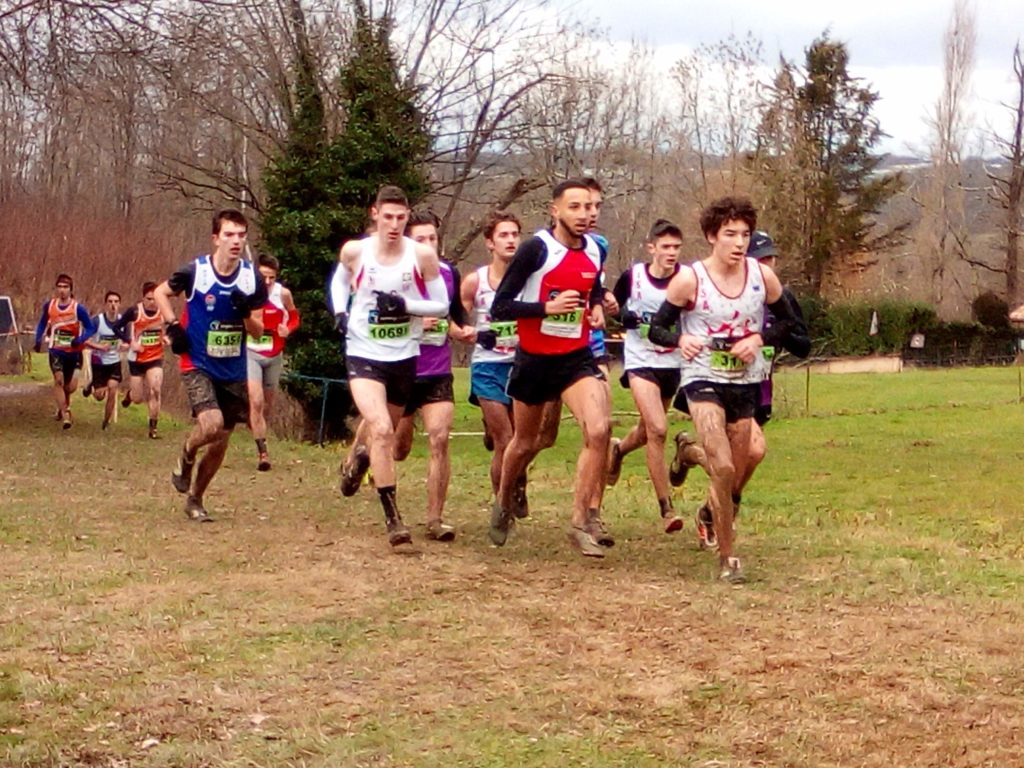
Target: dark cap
<point>761,245</point>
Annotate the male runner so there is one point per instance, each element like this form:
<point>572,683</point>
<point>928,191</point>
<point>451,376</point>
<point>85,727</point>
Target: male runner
<point>142,328</point>
<point>651,372</point>
<point>495,349</point>
<point>224,296</point>
<point>432,395</point>
<point>387,275</point>
<point>553,288</point>
<point>65,325</point>
<point>106,356</point>
<point>791,336</point>
<point>265,355</point>
<point>724,297</point>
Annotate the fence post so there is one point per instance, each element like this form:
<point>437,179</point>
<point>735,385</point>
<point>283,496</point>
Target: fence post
<point>807,392</point>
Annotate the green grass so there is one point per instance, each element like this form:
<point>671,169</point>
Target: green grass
<point>880,627</point>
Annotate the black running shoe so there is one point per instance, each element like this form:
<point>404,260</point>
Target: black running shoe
<point>501,520</point>
<point>679,467</point>
<point>705,523</point>
<point>398,533</point>
<point>596,528</point>
<point>195,512</point>
<point>181,477</point>
<point>352,476</point>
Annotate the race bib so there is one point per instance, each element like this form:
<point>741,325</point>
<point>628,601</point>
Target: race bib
<point>264,343</point>
<point>727,363</point>
<point>224,343</point>
<point>565,325</point>
<point>61,338</point>
<point>389,331</point>
<point>150,337</point>
<point>437,336</point>
<point>507,333</point>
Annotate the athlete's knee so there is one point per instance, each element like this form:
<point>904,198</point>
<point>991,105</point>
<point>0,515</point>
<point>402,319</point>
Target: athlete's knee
<point>597,429</point>
<point>380,429</point>
<point>758,449</point>
<point>438,440</point>
<point>657,432</point>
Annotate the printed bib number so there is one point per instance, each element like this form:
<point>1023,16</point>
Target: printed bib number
<point>565,325</point>
<point>389,331</point>
<point>264,343</point>
<point>436,336</point>
<point>224,343</point>
<point>61,338</point>
<point>726,362</point>
<point>507,333</point>
<point>150,337</point>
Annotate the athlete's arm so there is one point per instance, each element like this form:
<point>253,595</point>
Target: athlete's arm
<point>120,327</point>
<point>528,259</point>
<point>88,327</point>
<point>292,323</point>
<point>254,321</point>
<point>179,282</point>
<point>680,293</point>
<point>341,289</point>
<point>467,291</point>
<point>623,287</point>
<point>456,311</point>
<point>44,320</point>
<point>437,300</point>
<point>788,329</point>
<point>798,340</point>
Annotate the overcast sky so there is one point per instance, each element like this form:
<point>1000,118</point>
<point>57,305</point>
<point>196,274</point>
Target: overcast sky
<point>895,45</point>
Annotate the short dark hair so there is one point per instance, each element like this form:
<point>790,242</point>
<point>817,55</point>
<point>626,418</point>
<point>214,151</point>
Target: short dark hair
<point>268,260</point>
<point>229,214</point>
<point>64,278</point>
<point>592,184</point>
<point>496,218</point>
<point>390,194</point>
<point>148,286</point>
<point>564,186</point>
<point>663,228</point>
<point>727,209</point>
<point>109,294</point>
<point>422,217</point>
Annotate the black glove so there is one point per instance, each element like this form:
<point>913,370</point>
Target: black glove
<point>630,321</point>
<point>487,339</point>
<point>37,347</point>
<point>341,323</point>
<point>178,337</point>
<point>390,306</point>
<point>240,301</point>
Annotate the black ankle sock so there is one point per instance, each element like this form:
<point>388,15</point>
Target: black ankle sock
<point>152,423</point>
<point>665,505</point>
<point>261,444</point>
<point>388,501</point>
<point>736,499</point>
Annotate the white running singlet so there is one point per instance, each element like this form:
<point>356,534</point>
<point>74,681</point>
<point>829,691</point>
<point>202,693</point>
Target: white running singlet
<point>507,330</point>
<point>644,300</point>
<point>720,321</point>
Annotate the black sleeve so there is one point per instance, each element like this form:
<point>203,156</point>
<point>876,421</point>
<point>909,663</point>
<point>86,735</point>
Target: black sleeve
<point>665,325</point>
<point>121,326</point>
<point>623,287</point>
<point>528,259</point>
<point>183,279</point>
<point>260,296</point>
<point>597,289</point>
<point>789,330</point>
<point>456,311</point>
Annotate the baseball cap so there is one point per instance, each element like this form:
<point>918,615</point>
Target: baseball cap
<point>761,245</point>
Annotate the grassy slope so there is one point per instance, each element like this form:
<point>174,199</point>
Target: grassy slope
<point>880,628</point>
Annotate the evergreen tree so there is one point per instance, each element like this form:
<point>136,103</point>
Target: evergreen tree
<point>319,190</point>
<point>814,163</point>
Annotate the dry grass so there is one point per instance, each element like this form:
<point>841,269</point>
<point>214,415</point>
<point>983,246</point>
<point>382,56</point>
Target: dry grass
<point>288,634</point>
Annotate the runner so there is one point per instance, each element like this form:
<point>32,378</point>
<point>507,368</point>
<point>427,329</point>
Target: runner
<point>64,325</point>
<point>142,328</point>
<point>106,356</point>
<point>265,356</point>
<point>387,275</point>
<point>432,394</point>
<point>791,336</point>
<point>495,349</point>
<point>224,296</point>
<point>553,288</point>
<point>724,296</point>
<point>651,372</point>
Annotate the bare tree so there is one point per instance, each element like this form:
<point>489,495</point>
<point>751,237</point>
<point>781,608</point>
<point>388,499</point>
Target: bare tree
<point>1008,181</point>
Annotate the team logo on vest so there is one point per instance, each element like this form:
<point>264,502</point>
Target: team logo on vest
<point>406,280</point>
<point>211,302</point>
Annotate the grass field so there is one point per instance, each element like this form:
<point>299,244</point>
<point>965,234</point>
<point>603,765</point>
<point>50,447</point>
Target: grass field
<point>881,626</point>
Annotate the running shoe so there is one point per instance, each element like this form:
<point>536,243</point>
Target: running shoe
<point>87,390</point>
<point>127,399</point>
<point>195,512</point>
<point>181,477</point>
<point>614,462</point>
<point>439,530</point>
<point>584,542</point>
<point>67,419</point>
<point>352,474</point>
<point>264,462</point>
<point>106,422</point>
<point>398,533</point>
<point>596,528</point>
<point>672,520</point>
<point>521,505</point>
<point>732,572</point>
<point>705,523</point>
<point>501,521</point>
<point>152,434</point>
<point>679,467</point>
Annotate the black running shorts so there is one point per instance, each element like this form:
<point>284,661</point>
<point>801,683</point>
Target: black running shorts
<point>667,379</point>
<point>538,379</point>
<point>430,389</point>
<point>737,400</point>
<point>397,376</point>
<point>231,398</point>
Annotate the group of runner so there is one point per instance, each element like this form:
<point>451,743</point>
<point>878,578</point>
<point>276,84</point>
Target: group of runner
<point>702,335</point>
